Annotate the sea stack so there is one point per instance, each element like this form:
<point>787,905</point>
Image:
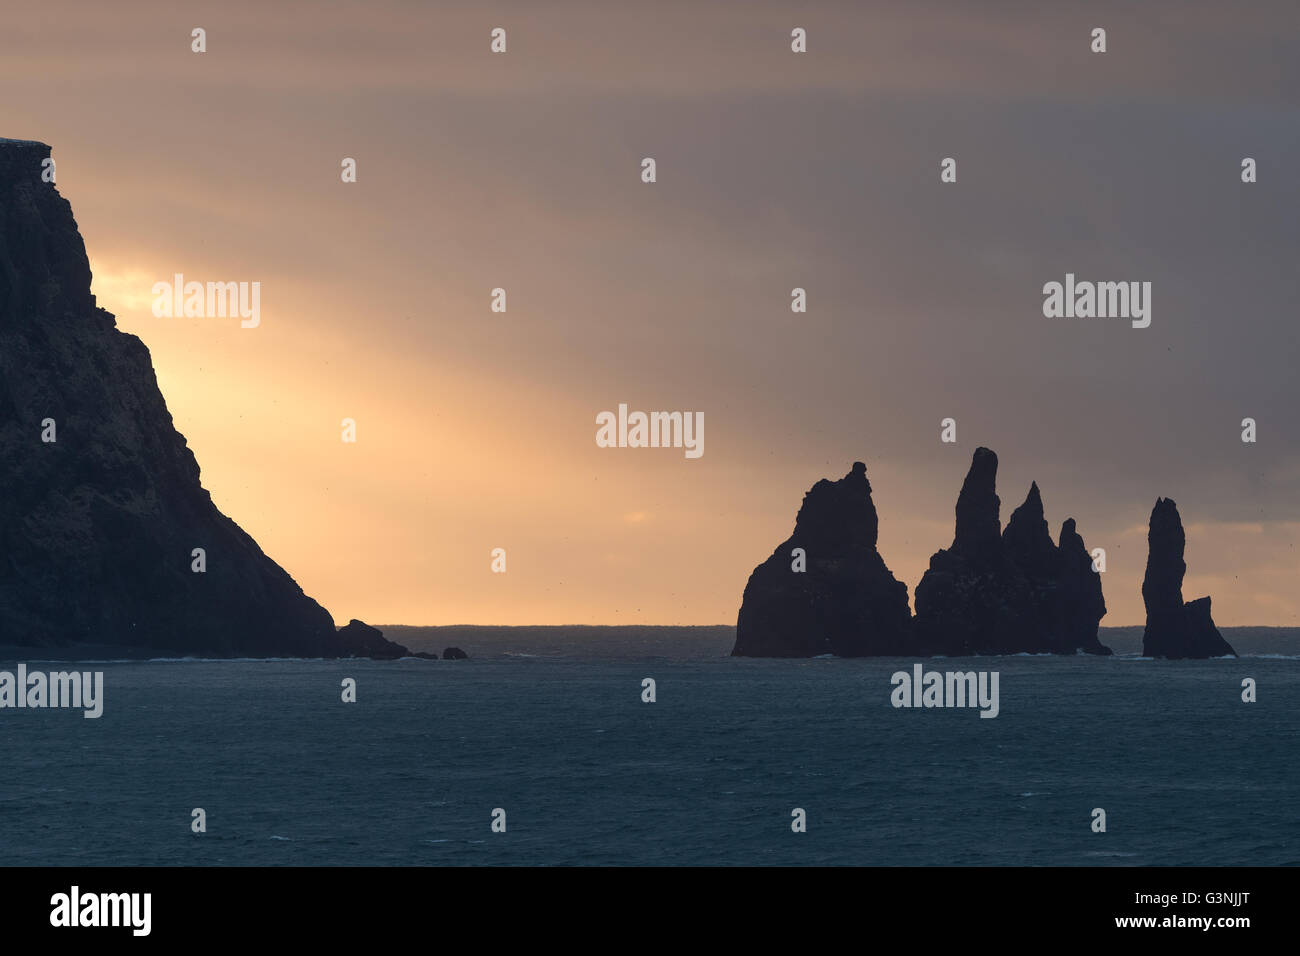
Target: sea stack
<point>1082,604</point>
<point>1012,591</point>
<point>1174,629</point>
<point>102,510</point>
<point>826,589</point>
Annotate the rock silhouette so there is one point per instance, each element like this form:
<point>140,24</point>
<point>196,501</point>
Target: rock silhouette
<point>98,527</point>
<point>454,654</point>
<point>1174,629</point>
<point>367,641</point>
<point>1012,591</point>
<point>1082,603</point>
<point>991,592</point>
<point>846,602</point>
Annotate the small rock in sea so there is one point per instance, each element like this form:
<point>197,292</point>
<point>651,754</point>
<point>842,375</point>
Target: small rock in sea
<point>361,640</point>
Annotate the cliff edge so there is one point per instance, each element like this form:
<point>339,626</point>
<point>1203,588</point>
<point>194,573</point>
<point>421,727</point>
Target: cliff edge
<point>101,506</point>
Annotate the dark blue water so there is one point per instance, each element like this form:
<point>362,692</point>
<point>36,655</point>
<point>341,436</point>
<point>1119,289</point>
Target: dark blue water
<point>588,774</point>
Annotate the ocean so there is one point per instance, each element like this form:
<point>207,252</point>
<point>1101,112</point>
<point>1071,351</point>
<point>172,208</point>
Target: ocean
<point>709,773</point>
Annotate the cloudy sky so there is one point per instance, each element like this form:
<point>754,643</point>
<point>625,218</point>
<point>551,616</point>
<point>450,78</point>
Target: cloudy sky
<point>775,170</point>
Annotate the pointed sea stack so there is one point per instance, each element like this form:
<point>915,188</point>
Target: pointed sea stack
<point>845,602</point>
<point>1174,629</point>
<point>1082,603</point>
<point>1007,592</point>
<point>98,521</point>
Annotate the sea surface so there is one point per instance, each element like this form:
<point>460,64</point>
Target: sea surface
<point>709,773</point>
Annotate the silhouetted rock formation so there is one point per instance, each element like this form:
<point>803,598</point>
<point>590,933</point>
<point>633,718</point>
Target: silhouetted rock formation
<point>97,528</point>
<point>845,603</point>
<point>1082,605</point>
<point>1174,629</point>
<point>454,654</point>
<point>979,524</point>
<point>367,641</point>
<point>1007,592</point>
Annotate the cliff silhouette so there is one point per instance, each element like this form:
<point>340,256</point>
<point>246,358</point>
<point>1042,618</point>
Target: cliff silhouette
<point>97,527</point>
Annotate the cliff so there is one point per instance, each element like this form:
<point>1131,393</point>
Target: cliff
<point>98,526</point>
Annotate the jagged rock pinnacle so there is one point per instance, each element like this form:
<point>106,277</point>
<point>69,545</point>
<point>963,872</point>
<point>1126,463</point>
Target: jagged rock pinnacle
<point>835,596</point>
<point>1008,593</point>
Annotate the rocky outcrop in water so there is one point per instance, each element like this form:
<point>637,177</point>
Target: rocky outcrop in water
<point>1012,591</point>
<point>826,589</point>
<point>1174,629</point>
<point>101,508</point>
<point>454,654</point>
<point>367,641</point>
<point>1082,604</point>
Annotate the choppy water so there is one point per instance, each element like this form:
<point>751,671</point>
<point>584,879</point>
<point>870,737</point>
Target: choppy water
<point>709,773</point>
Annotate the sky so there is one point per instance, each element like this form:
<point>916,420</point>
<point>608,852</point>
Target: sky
<point>774,170</point>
